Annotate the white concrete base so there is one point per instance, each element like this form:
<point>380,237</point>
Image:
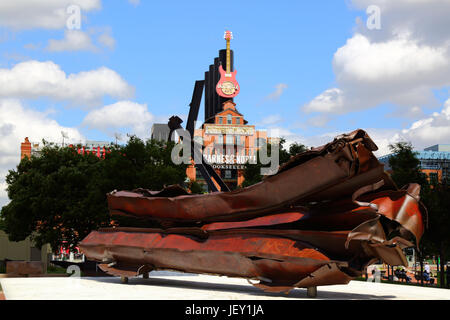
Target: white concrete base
<point>179,286</point>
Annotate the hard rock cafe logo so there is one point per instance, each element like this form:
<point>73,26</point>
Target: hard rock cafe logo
<point>228,88</point>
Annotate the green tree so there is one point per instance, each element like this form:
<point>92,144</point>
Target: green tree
<point>435,196</point>
<point>2,223</point>
<point>60,195</point>
<point>437,237</point>
<point>195,187</point>
<point>296,148</point>
<point>406,166</point>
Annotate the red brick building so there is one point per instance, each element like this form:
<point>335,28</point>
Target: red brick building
<point>99,148</point>
<point>229,142</point>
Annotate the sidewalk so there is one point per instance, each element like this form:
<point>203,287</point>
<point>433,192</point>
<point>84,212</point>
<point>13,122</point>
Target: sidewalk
<point>178,286</point>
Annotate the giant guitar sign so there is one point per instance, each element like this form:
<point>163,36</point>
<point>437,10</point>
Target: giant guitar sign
<point>227,86</point>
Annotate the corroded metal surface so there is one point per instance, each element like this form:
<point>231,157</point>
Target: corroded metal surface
<point>325,216</point>
<point>308,173</point>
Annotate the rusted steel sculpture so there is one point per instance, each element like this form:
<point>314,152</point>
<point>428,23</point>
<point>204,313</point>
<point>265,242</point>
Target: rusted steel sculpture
<point>321,220</point>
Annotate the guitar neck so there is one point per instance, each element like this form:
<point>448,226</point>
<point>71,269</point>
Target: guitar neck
<point>228,57</point>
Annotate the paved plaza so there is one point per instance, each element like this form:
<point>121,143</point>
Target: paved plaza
<point>179,286</point>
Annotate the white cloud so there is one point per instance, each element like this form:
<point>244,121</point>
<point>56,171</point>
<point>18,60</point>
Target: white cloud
<point>414,113</point>
<point>270,120</point>
<point>16,123</point>
<point>431,130</point>
<point>319,121</point>
<point>393,60</point>
<point>46,14</point>
<point>56,14</point>
<point>330,101</point>
<point>107,40</point>
<point>400,64</point>
<point>125,115</point>
<point>74,40</point>
<point>423,20</point>
<point>279,89</point>
<point>35,79</point>
<point>77,40</point>
<point>422,133</point>
<point>134,2</point>
<point>32,46</point>
<point>368,73</point>
<point>288,135</point>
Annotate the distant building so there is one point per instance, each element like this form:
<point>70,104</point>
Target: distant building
<point>25,250</point>
<point>434,162</point>
<point>98,148</point>
<point>228,141</point>
<point>439,148</point>
<point>228,144</point>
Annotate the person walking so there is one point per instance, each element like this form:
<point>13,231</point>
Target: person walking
<point>427,273</point>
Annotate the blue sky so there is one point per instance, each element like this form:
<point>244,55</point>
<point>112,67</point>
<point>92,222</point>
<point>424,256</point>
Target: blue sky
<point>162,47</point>
<point>308,70</point>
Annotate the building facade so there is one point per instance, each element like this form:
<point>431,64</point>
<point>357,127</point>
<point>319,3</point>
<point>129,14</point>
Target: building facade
<point>24,250</point>
<point>434,162</point>
<point>99,148</point>
<point>229,142</point>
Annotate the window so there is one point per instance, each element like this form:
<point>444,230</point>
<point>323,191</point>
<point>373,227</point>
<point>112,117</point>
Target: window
<point>240,141</point>
<point>433,177</point>
<point>220,120</point>
<point>229,119</point>
<point>228,174</point>
<point>198,174</point>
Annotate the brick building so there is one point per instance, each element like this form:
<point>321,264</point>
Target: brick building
<point>98,148</point>
<point>228,143</point>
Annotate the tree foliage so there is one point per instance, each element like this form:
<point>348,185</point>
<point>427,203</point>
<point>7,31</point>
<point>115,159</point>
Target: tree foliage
<point>406,166</point>
<point>437,201</point>
<point>60,195</point>
<point>436,240</point>
<point>434,194</point>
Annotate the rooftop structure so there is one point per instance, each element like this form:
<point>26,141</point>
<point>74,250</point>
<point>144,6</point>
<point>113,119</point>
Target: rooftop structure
<point>439,148</point>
